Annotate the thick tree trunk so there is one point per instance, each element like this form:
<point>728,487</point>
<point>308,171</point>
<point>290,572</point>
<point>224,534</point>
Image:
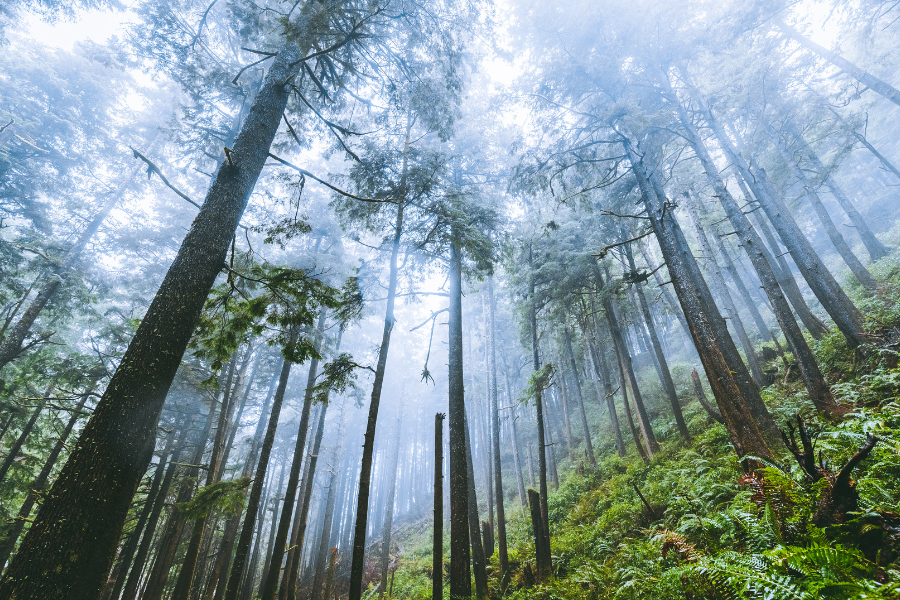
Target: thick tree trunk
<point>734,390</point>
<point>437,543</point>
<point>870,81</point>
<point>23,436</point>
<point>666,375</point>
<point>495,433</point>
<point>262,464</point>
<point>479,563</point>
<point>540,552</point>
<point>573,367</point>
<point>365,474</point>
<point>545,565</point>
<point>329,576</point>
<point>460,573</point>
<point>37,486</point>
<point>389,509</point>
<point>85,510</point>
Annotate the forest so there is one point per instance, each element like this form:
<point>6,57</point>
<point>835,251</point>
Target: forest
<point>449,299</point>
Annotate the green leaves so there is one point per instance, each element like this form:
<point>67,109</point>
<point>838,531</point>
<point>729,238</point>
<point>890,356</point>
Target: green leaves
<point>539,381</point>
<point>225,495</point>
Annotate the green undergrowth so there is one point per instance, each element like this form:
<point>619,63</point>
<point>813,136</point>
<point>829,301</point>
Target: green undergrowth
<point>710,530</point>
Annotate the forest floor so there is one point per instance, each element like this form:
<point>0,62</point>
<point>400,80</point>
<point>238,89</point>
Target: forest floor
<point>710,530</point>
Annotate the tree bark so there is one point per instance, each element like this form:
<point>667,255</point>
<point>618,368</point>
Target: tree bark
<point>437,548</point>
<point>837,239</point>
<point>85,510</point>
<point>262,464</point>
<point>875,84</point>
<point>537,524</point>
<point>479,562</point>
<point>389,509</point>
<point>733,388</point>
<point>495,433</point>
<point>545,565</point>
<point>365,475</point>
<point>460,574</point>
<point>666,375</point>
<point>573,368</point>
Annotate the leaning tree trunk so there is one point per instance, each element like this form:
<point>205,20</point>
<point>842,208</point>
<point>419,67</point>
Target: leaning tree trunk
<point>578,400</point>
<point>437,541</point>
<point>243,544</point>
<point>68,551</point>
<point>626,385</point>
<point>873,245</point>
<point>545,565</point>
<point>823,284</point>
<point>601,369</point>
<point>460,573</point>
<point>34,490</point>
<point>365,473</point>
<point>12,344</point>
<point>290,494</point>
<point>23,435</point>
<point>389,511</point>
<point>721,288</point>
<point>812,377</point>
<point>837,239</point>
<point>733,388</point>
<point>870,81</point>
<point>666,375</point>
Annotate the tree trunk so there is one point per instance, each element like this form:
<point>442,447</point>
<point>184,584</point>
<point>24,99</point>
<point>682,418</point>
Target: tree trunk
<point>365,473</point>
<point>701,398</point>
<point>329,576</point>
<point>85,510</point>
<point>437,543</point>
<point>273,529</point>
<point>666,375</point>
<point>601,369</point>
<point>479,563</point>
<point>837,239</point>
<point>873,245</point>
<point>613,320</point>
<point>846,316</point>
<point>213,475</point>
<point>262,464</point>
<point>537,524</point>
<point>545,565</point>
<point>564,401</point>
<point>626,385</point>
<point>815,384</point>
<point>37,486</point>
<point>870,81</point>
<point>721,289</point>
<point>495,433</point>
<point>174,529</point>
<point>460,573</point>
<point>23,435</point>
<point>888,165</point>
<point>389,509</point>
<point>734,389</point>
<point>589,447</point>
